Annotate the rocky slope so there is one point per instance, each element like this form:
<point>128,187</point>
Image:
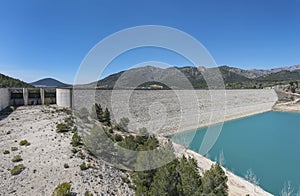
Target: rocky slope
<point>45,157</point>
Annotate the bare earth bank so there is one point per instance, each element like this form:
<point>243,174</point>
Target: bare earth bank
<point>44,159</point>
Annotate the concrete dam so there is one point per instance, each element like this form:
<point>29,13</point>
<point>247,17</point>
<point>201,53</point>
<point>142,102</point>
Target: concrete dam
<point>170,111</point>
<point>160,111</point>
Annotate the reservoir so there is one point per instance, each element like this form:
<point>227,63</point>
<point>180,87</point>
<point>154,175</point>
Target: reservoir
<point>268,143</point>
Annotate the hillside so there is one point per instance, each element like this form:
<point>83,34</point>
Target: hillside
<point>6,81</point>
<point>284,75</point>
<point>150,77</point>
<point>49,82</point>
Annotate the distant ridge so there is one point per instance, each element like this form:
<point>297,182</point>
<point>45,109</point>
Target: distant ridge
<point>6,82</point>
<point>234,78</point>
<point>49,82</point>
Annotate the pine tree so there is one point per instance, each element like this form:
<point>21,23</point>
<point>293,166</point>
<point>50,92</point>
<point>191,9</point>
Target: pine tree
<point>166,180</point>
<point>99,112</point>
<point>190,177</point>
<point>214,181</point>
<point>106,117</point>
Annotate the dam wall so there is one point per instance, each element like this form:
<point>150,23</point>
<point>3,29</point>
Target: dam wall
<point>170,111</point>
<point>64,97</point>
<point>4,98</point>
<point>27,96</point>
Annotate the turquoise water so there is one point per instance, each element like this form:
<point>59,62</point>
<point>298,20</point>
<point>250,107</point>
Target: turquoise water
<point>269,143</point>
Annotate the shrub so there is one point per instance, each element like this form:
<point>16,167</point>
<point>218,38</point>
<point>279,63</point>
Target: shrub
<point>14,148</point>
<point>17,158</point>
<point>62,189</point>
<point>80,155</point>
<point>87,193</point>
<point>76,140</point>
<point>17,169</point>
<point>69,121</point>
<point>24,143</point>
<point>74,150</point>
<point>83,166</point>
<point>66,165</point>
<point>6,152</point>
<point>118,138</point>
<point>62,128</point>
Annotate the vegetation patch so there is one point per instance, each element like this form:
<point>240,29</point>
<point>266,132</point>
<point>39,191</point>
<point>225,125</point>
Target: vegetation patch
<point>24,143</point>
<point>6,152</point>
<point>84,166</point>
<point>14,148</point>
<point>76,140</point>
<point>62,128</point>
<point>74,150</point>
<point>66,165</point>
<point>17,158</point>
<point>87,193</point>
<point>17,169</point>
<point>63,189</point>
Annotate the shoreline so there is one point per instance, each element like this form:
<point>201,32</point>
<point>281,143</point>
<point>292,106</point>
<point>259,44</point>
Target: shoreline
<point>287,107</point>
<point>237,185</point>
<point>231,118</point>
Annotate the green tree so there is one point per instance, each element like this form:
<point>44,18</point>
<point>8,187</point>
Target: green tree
<point>166,180</point>
<point>190,177</point>
<point>99,144</point>
<point>99,112</point>
<point>214,181</point>
<point>106,117</point>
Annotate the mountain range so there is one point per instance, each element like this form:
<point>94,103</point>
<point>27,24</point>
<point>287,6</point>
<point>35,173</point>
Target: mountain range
<point>150,77</point>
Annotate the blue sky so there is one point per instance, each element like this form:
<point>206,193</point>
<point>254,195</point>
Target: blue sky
<point>50,38</point>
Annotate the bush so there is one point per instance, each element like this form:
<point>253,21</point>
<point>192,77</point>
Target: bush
<point>87,193</point>
<point>80,155</point>
<point>24,143</point>
<point>76,140</point>
<point>118,138</point>
<point>66,165</point>
<point>17,158</point>
<point>74,150</point>
<point>62,128</point>
<point>14,148</point>
<point>6,152</point>
<point>62,189</point>
<point>83,166</point>
<point>17,169</point>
